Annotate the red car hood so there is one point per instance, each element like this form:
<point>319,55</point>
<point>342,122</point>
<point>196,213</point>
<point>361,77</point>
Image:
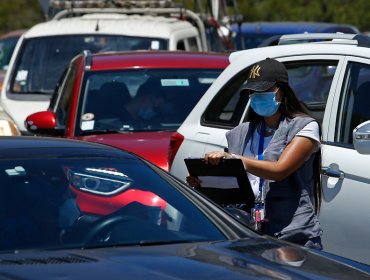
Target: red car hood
<point>153,146</point>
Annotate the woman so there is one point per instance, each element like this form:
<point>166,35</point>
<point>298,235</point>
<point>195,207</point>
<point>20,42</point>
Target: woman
<point>279,146</point>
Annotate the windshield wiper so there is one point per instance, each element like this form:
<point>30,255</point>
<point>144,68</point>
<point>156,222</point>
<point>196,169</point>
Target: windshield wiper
<point>37,92</point>
<point>141,243</point>
<point>101,131</point>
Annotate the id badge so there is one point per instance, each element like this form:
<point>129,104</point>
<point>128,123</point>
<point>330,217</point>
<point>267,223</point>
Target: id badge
<point>261,213</point>
<point>258,214</point>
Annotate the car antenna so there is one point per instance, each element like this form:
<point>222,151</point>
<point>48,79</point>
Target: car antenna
<point>97,25</point>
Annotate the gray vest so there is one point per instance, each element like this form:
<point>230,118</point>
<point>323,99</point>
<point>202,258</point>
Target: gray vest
<point>289,203</point>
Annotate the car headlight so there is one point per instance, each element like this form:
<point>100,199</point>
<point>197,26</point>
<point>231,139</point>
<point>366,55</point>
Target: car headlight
<point>97,184</point>
<point>7,126</point>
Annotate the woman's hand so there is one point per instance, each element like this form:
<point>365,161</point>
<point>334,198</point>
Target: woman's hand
<point>193,181</point>
<point>214,158</point>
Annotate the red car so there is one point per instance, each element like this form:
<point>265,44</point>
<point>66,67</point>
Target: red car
<point>132,100</point>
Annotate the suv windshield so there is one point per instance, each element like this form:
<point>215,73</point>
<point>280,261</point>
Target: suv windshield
<point>141,99</point>
<point>42,60</point>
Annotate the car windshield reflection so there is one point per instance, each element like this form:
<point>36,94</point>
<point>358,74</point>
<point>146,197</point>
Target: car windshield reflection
<point>93,202</point>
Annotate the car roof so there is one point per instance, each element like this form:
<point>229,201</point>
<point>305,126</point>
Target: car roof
<point>27,146</point>
<point>284,27</point>
<point>114,24</point>
<point>159,59</point>
<point>320,48</point>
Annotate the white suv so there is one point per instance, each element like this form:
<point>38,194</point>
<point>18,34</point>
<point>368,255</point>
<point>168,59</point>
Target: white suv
<point>333,80</point>
<point>43,52</point>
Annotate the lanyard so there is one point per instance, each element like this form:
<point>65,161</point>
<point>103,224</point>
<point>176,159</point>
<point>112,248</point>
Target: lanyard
<point>260,157</point>
<point>260,154</point>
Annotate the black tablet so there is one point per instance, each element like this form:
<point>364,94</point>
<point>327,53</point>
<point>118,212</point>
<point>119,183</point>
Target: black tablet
<point>225,183</point>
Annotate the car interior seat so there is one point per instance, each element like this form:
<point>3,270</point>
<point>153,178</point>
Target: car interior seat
<point>151,87</point>
<point>108,101</point>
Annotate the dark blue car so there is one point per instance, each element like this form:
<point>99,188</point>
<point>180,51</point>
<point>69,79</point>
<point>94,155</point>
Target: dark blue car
<point>256,34</point>
<point>80,210</point>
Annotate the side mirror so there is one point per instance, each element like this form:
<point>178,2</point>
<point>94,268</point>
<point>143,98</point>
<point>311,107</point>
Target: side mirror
<point>242,216</point>
<point>361,138</point>
<point>43,123</point>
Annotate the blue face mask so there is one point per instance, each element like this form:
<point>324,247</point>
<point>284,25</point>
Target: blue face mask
<point>264,103</point>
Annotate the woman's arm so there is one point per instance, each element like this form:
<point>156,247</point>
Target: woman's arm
<point>294,155</point>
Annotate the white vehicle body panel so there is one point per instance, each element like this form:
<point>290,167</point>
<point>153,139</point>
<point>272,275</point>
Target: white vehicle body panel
<point>130,25</point>
<point>345,214</point>
<point>345,211</point>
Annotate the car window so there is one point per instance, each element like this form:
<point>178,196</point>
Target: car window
<point>41,61</point>
<point>191,44</point>
<point>7,46</point>
<point>355,102</point>
<point>226,109</point>
<point>63,96</point>
<point>141,99</point>
<point>181,45</point>
<point>70,201</point>
<point>311,81</point>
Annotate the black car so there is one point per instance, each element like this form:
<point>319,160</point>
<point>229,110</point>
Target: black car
<point>78,210</point>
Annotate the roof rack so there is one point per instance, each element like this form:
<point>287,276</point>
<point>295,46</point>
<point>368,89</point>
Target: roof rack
<point>339,38</point>
<point>69,4</point>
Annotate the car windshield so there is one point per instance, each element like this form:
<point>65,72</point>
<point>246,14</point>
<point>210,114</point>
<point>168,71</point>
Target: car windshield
<point>85,202</point>
<point>42,60</point>
<point>141,99</point>
<point>7,46</point>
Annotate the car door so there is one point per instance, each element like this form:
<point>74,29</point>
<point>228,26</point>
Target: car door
<point>345,211</point>
<point>311,77</point>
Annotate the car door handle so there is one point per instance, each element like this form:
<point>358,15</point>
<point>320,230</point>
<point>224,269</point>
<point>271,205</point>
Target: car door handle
<point>332,173</point>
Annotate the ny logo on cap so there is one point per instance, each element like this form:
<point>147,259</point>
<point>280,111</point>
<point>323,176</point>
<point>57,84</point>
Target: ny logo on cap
<point>255,71</point>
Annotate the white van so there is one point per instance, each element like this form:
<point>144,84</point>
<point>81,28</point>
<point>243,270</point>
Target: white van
<point>43,52</point>
<point>333,80</point>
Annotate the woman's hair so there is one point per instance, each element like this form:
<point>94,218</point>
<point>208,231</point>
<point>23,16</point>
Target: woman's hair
<point>291,107</point>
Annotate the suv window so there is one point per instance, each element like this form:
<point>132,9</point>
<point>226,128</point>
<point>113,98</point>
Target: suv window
<point>355,102</point>
<point>311,80</point>
<point>226,109</point>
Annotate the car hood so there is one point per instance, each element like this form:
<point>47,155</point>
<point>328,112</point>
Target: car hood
<point>153,146</point>
<point>243,259</point>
